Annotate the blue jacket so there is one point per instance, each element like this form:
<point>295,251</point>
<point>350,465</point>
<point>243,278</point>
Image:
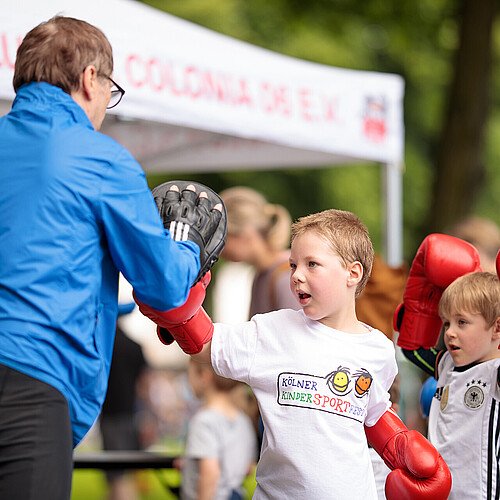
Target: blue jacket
<point>75,209</point>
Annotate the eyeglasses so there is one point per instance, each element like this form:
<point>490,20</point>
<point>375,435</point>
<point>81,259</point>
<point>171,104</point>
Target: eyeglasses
<point>116,94</point>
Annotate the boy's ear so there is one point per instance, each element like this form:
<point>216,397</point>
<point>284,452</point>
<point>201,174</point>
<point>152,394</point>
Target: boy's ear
<point>355,273</point>
<point>496,330</point>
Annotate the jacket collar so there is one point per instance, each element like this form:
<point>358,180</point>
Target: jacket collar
<point>42,95</point>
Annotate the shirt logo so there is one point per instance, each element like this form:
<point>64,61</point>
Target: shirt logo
<point>441,395</point>
<point>474,395</point>
<point>338,393</point>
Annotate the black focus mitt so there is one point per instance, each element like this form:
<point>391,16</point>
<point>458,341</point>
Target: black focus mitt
<point>189,216</point>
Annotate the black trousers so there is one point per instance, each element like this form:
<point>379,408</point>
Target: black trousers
<point>36,447</point>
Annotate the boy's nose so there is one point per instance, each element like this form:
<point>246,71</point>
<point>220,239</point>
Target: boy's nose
<point>449,332</point>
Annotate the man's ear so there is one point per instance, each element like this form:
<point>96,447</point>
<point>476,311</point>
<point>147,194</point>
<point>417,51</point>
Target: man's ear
<point>355,273</point>
<point>88,81</point>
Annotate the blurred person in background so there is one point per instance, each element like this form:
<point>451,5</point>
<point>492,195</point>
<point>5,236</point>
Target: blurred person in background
<point>221,443</point>
<point>119,422</point>
<point>259,235</point>
<point>484,234</point>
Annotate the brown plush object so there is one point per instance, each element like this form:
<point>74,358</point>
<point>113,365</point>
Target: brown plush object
<point>382,294</point>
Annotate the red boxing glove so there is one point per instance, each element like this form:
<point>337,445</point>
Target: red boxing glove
<point>498,263</point>
<point>188,324</point>
<point>439,261</point>
<point>418,470</point>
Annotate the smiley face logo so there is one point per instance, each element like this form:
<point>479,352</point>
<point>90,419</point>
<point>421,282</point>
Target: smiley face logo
<point>363,382</point>
<point>338,380</point>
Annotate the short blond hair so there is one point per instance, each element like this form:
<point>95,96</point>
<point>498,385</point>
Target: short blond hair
<point>475,293</point>
<point>247,207</point>
<point>58,50</point>
<point>345,233</point>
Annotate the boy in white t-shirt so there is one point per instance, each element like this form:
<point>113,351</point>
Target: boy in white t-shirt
<point>321,377</point>
<point>464,418</point>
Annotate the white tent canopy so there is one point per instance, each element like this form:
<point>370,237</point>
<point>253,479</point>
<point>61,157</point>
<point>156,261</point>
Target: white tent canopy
<point>200,101</point>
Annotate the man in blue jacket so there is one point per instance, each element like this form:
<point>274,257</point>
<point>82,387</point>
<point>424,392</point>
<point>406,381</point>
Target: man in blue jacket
<point>76,209</point>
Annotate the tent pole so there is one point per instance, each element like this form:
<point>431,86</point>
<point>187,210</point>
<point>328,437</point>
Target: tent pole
<point>393,211</point>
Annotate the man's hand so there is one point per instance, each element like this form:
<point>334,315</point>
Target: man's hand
<point>192,211</point>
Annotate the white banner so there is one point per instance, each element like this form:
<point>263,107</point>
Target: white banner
<point>178,73</point>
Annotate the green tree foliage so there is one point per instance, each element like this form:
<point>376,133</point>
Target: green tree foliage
<point>460,162</point>
<point>417,40</point>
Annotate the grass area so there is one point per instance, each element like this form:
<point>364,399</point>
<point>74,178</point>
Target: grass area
<point>90,484</point>
<point>152,484</point>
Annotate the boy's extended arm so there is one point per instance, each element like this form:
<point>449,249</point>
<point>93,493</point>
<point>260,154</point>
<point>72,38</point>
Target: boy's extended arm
<point>188,324</point>
<point>418,470</point>
<point>426,359</point>
<point>439,261</point>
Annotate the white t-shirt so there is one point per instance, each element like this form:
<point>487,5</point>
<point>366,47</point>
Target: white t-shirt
<point>316,387</point>
<point>464,426</point>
